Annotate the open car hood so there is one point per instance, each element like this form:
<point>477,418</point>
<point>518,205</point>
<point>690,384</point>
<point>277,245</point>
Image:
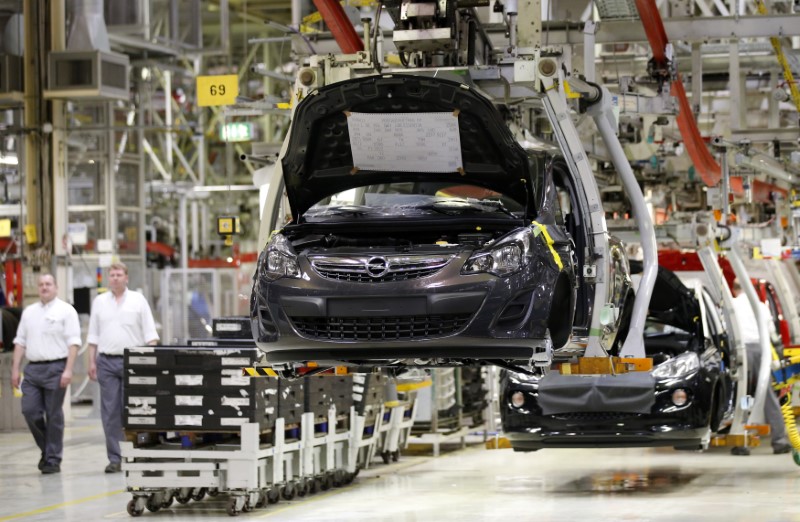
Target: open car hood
<point>319,158</point>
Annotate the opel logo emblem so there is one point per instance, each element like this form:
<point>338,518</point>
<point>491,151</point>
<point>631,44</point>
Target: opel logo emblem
<point>377,266</point>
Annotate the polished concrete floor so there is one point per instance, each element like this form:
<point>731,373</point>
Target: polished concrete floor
<point>469,484</point>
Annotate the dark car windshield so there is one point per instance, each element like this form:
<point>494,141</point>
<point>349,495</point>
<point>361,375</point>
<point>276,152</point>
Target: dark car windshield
<point>412,199</point>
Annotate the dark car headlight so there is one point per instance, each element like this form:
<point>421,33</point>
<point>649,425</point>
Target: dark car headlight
<point>281,258</point>
<point>511,254</point>
<point>680,366</point>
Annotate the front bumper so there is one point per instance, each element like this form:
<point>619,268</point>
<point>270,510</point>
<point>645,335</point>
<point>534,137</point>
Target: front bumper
<point>664,424</point>
<point>448,315</point>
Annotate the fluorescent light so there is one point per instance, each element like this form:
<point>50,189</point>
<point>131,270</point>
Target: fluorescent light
<point>9,160</point>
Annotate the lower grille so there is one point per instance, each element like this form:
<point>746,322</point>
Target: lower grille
<point>380,328</point>
<point>590,416</point>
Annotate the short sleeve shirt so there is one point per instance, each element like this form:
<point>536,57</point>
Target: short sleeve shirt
<point>48,330</point>
<point>114,326</point>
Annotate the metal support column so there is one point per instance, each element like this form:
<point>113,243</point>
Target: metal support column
<point>726,187</point>
<point>697,79</point>
<point>589,51</point>
<point>36,197</point>
<point>58,161</point>
<point>737,104</point>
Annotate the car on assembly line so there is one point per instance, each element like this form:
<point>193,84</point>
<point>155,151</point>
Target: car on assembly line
<point>684,399</point>
<point>419,264</point>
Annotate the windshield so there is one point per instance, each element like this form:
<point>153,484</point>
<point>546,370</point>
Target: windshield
<point>415,199</point>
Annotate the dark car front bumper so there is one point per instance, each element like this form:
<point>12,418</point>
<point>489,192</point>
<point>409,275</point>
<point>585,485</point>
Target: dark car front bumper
<point>448,315</point>
<point>621,424</point>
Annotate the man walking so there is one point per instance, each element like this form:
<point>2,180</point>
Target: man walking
<point>120,319</point>
<point>49,335</point>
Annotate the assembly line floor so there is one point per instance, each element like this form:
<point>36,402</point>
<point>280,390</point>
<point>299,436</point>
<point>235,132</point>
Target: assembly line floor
<point>470,484</point>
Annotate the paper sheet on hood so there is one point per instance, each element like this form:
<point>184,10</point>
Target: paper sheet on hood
<point>407,142</point>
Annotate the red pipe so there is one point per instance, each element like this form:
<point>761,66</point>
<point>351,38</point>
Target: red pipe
<point>708,169</point>
<point>704,163</point>
<point>762,191</point>
<point>654,29</point>
<point>341,28</point>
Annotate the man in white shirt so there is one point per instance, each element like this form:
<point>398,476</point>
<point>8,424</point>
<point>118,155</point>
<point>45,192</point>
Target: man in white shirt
<point>49,336</point>
<point>751,339</point>
<point>120,319</point>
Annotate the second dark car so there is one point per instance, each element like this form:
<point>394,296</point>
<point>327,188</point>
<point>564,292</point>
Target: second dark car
<point>680,403</point>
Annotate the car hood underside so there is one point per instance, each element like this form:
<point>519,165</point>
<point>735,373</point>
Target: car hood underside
<point>319,160</point>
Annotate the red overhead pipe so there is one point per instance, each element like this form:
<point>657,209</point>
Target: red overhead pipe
<point>341,28</point>
<point>704,163</point>
<point>654,29</point>
<point>762,191</point>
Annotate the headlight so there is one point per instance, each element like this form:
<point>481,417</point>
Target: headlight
<point>281,259</point>
<point>684,364</point>
<point>509,255</point>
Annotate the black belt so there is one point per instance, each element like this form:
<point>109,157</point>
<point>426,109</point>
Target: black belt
<point>108,355</point>
<point>47,362</point>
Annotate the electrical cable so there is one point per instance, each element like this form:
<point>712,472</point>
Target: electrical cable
<point>786,409</point>
<point>376,60</point>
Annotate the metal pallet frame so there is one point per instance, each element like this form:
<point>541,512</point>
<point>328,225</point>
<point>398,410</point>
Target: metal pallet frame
<point>249,472</point>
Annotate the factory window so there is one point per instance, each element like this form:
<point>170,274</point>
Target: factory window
<point>128,233</point>
<point>95,221</point>
<point>127,185</point>
<point>86,184</point>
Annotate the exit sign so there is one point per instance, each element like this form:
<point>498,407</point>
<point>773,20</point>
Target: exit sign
<point>237,131</point>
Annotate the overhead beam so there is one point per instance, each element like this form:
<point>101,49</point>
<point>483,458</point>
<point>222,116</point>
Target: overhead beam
<point>690,29</point>
<point>787,134</point>
<point>700,28</point>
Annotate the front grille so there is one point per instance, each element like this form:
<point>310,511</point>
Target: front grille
<point>594,416</point>
<point>380,328</point>
<point>378,269</point>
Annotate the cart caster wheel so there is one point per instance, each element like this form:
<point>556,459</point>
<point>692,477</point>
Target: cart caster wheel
<point>200,495</point>
<point>395,455</point>
<point>386,456</point>
<point>152,504</point>
<point>167,502</point>
<point>183,499</point>
<point>262,500</point>
<point>327,482</point>
<point>232,510</point>
<point>288,492</point>
<point>349,478</point>
<point>302,488</point>
<point>132,511</point>
<point>338,479</point>
<point>248,507</point>
<point>314,485</point>
<point>213,492</point>
<point>273,495</point>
